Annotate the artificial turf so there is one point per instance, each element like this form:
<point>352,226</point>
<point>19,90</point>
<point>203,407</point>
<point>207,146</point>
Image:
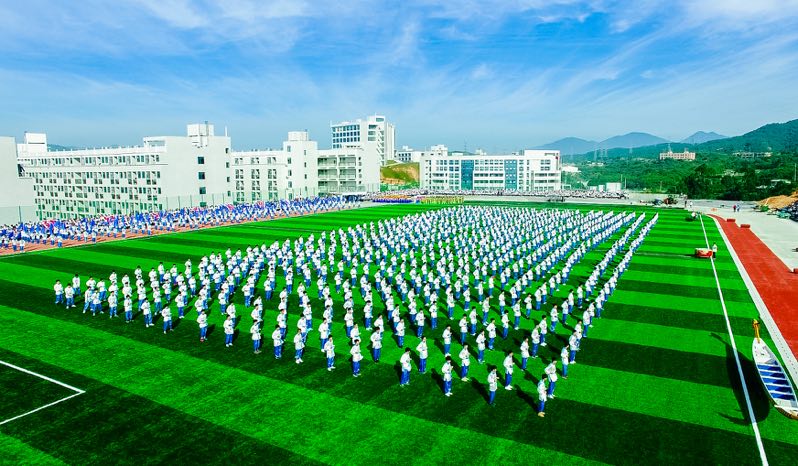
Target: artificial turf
<point>655,382</point>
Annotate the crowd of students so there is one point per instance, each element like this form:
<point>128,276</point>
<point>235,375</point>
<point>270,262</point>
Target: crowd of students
<point>54,232</point>
<point>546,194</point>
<point>480,273</point>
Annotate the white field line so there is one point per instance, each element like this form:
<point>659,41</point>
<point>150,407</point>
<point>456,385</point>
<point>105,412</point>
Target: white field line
<point>51,380</point>
<point>754,425</point>
<point>790,362</point>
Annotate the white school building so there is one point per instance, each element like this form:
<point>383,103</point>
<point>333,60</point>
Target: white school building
<point>530,170</point>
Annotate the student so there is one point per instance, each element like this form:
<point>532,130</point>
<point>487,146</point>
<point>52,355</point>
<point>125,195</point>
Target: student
<point>542,396</point>
<point>376,344</point>
<point>423,353</point>
<point>202,320</point>
<point>508,371</point>
<point>128,306</point>
<point>277,339</point>
<point>400,333</point>
<point>59,292</point>
<point>481,347</point>
<point>357,356</point>
<point>463,329</point>
<point>229,330</point>
<point>299,346</point>
<point>145,311</point>
<point>551,372</point>
<point>69,294</point>
<point>329,350</point>
<point>406,365</point>
<point>524,353</point>
<point>255,331</point>
<point>505,326</point>
<point>324,334</point>
<point>166,314</point>
<point>465,361</point>
<point>493,385</point>
<point>491,329</point>
<point>447,340</point>
<point>564,356</point>
<point>447,376</point>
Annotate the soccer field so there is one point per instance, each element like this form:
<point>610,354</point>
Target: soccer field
<point>656,381</point>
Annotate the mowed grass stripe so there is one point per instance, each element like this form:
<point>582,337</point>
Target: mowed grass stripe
<point>326,437</point>
<point>665,316</point>
<point>18,452</point>
<point>680,291</point>
<point>666,437</point>
<point>698,280</point>
<point>678,270</point>
<point>132,429</point>
<point>691,304</point>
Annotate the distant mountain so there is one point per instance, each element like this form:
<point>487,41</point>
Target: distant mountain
<point>571,145</point>
<point>632,140</point>
<point>772,137</point>
<point>56,147</point>
<point>700,137</point>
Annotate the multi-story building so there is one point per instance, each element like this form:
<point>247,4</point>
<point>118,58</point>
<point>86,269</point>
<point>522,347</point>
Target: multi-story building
<point>408,154</point>
<point>16,203</point>
<point>301,169</point>
<point>164,172</point>
<point>669,154</point>
<point>372,133</point>
<point>530,170</point>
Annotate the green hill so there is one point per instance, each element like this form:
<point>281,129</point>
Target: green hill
<point>400,173</point>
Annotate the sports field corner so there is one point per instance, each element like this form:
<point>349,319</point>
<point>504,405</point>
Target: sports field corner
<point>656,380</point>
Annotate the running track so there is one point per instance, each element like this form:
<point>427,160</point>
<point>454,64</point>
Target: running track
<point>777,286</point>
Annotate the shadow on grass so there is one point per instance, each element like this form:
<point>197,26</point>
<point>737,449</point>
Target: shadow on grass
<point>759,399</point>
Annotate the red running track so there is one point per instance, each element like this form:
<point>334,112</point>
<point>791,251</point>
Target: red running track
<point>777,286</point>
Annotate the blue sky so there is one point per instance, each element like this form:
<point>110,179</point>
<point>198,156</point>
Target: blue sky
<point>500,75</point>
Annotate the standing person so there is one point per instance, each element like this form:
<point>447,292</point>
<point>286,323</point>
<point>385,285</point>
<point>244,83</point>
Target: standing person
<point>542,396</point>
<point>493,385</point>
<point>376,344</point>
<point>229,330</point>
<point>329,350</point>
<point>145,311</point>
<point>465,361</point>
<point>491,329</point>
<point>551,372</point>
<point>202,320</point>
<point>564,357</point>
<point>400,333</point>
<point>128,306</point>
<point>357,356</point>
<point>59,291</point>
<point>255,331</point>
<point>166,314</point>
<point>324,333</point>
<point>112,306</point>
<point>447,340</point>
<point>508,371</point>
<point>447,376</point>
<point>423,353</point>
<point>463,329</point>
<point>481,347</point>
<point>524,353</point>
<point>277,339</point>
<point>406,365</point>
<point>69,294</point>
<point>299,347</point>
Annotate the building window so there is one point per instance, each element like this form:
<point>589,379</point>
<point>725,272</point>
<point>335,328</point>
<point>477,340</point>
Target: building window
<point>200,160</point>
<point>201,175</point>
<point>202,190</point>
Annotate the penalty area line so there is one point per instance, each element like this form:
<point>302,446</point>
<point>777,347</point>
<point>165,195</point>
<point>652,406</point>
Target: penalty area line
<point>44,377</point>
<point>754,424</point>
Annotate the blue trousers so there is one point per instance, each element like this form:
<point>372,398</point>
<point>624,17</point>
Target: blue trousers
<point>523,363</point>
<point>278,351</point>
<point>401,341</point>
<point>446,348</point>
<point>447,386</point>
<point>376,354</point>
<point>464,372</point>
<point>228,338</point>
<point>330,362</point>
<point>356,367</point>
<point>481,355</point>
<point>551,388</point>
<point>422,365</point>
<point>405,377</point>
<point>508,379</point>
<point>492,397</point>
